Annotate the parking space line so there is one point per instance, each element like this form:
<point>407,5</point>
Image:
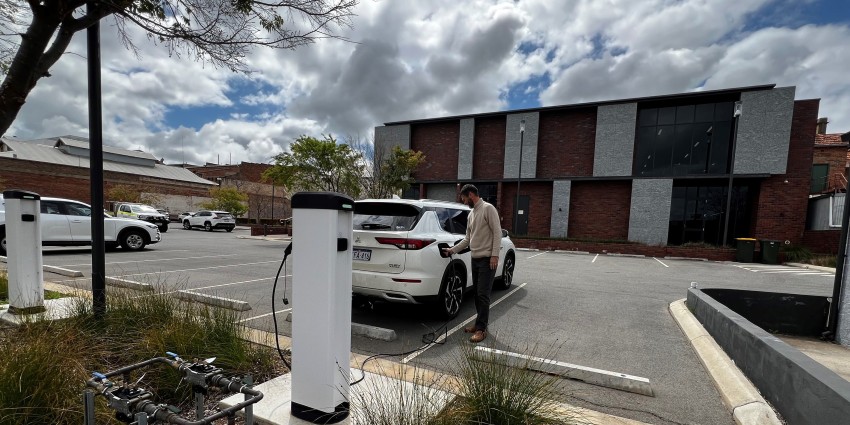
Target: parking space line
<point>535,255</point>
<point>264,315</point>
<point>459,326</point>
<point>661,262</point>
<point>146,261</point>
<point>203,268</point>
<point>594,258</point>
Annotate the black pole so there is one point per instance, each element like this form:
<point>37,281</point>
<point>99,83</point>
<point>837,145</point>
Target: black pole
<point>98,254</point>
<point>731,176</point>
<point>832,323</point>
<point>272,201</point>
<point>518,179</point>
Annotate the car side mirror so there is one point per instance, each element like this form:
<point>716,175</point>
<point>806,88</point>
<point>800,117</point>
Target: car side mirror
<point>504,233</point>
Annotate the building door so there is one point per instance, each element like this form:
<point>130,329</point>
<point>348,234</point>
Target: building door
<point>820,173</point>
<point>521,216</point>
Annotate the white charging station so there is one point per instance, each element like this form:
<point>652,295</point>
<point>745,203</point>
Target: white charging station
<point>23,238</point>
<point>321,308</point>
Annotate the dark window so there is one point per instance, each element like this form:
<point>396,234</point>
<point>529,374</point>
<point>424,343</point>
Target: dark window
<point>50,207</point>
<point>384,216</point>
<point>683,140</point>
<point>411,192</point>
<point>459,221</point>
<point>72,208</point>
<point>445,218</point>
<point>697,213</point>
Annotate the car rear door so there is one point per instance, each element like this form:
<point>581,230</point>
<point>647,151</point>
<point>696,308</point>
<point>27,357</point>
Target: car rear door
<point>79,218</point>
<point>54,224</point>
<point>381,236</point>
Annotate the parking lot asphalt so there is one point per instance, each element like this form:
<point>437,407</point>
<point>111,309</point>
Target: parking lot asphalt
<point>597,311</point>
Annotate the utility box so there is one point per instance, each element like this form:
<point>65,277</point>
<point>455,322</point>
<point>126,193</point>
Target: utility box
<point>745,250</point>
<point>23,240</point>
<point>321,306</point>
<point>769,251</point>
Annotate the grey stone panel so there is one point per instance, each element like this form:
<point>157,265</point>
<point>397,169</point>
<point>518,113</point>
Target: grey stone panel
<point>615,140</point>
<point>649,217</point>
<point>465,149</point>
<point>442,192</point>
<point>764,131</point>
<point>560,208</point>
<point>802,390</point>
<point>529,145</point>
<point>394,135</point>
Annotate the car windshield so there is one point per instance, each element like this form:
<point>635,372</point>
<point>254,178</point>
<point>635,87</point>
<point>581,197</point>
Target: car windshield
<point>223,215</point>
<point>384,216</point>
<point>143,209</point>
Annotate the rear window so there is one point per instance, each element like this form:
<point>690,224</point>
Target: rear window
<point>385,216</point>
<point>223,215</point>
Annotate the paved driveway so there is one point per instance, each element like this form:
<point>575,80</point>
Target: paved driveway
<point>599,311</point>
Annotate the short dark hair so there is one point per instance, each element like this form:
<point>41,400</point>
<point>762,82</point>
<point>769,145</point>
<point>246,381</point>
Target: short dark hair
<point>467,189</point>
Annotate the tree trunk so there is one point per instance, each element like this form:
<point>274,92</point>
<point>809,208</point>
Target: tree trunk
<point>25,71</point>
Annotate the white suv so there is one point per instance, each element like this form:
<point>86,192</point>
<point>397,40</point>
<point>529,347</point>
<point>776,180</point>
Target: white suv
<point>397,253</point>
<point>65,222</point>
<point>210,220</point>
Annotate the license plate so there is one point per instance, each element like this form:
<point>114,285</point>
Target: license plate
<point>362,254</point>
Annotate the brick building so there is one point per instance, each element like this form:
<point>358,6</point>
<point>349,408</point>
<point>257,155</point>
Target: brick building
<point>265,200</point>
<point>828,187</point>
<point>654,170</point>
<point>59,166</point>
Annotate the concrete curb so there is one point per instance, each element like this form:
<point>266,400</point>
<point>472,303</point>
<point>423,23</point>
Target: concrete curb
<point>266,238</point>
<point>812,267</point>
<point>561,251</point>
<point>367,331</point>
<point>610,254</point>
<point>63,272</point>
<point>129,284</point>
<point>686,258</point>
<point>739,395</point>
<point>213,300</point>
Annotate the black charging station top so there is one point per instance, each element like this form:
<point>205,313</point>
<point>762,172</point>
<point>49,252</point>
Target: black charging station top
<point>20,194</point>
<point>322,201</point>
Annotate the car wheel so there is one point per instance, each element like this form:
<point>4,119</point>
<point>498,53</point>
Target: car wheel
<point>186,225</point>
<point>163,228</point>
<point>229,229</point>
<point>208,226</point>
<point>451,294</point>
<point>133,240</point>
<point>504,281</point>
<point>3,242</point>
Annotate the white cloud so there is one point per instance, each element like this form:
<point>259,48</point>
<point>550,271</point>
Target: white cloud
<point>426,59</point>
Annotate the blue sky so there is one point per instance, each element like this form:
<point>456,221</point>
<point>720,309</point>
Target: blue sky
<point>442,57</point>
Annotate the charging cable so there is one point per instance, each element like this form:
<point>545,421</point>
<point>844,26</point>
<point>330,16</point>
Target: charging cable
<point>428,339</point>
<point>286,253</point>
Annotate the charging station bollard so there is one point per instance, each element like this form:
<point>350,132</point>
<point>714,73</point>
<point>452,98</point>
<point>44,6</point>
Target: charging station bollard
<point>23,237</point>
<point>321,309</point>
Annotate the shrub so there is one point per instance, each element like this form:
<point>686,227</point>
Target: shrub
<point>797,254</point>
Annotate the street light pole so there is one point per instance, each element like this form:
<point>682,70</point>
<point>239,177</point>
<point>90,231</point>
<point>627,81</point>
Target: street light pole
<point>518,177</point>
<point>736,115</point>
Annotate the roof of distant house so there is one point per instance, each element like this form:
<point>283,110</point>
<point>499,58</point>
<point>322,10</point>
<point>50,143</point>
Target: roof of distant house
<point>829,139</point>
<point>74,151</point>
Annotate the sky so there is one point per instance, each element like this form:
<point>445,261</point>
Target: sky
<point>422,59</point>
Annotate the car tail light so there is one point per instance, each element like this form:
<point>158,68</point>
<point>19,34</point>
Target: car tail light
<point>406,243</point>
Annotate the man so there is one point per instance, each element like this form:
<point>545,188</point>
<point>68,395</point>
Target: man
<point>483,237</point>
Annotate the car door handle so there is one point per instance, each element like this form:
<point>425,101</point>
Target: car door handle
<point>76,221</point>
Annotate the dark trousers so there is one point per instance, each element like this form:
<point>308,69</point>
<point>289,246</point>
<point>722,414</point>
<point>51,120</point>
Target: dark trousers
<point>482,278</point>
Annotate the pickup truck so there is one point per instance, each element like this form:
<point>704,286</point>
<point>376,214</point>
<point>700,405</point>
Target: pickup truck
<point>143,212</point>
<point>65,222</point>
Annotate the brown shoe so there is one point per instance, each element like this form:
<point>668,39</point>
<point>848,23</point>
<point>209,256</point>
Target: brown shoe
<point>470,329</point>
<point>478,336</point>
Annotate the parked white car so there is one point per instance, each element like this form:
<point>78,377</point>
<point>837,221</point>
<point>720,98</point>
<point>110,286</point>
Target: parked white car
<point>397,257</point>
<point>210,220</point>
<point>66,222</point>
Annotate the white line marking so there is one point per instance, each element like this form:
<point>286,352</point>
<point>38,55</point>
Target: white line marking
<point>456,328</point>
<point>264,315</point>
<point>227,284</point>
<point>661,262</point>
<point>164,259</point>
<point>784,272</point>
<point>202,268</point>
<point>536,255</point>
<point>594,258</point>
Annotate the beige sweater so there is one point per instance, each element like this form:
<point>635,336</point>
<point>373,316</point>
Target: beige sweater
<point>483,232</point>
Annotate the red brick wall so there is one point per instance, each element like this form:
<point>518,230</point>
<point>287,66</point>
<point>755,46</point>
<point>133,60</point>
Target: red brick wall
<point>489,148</point>
<point>566,143</point>
<point>600,210</point>
<point>73,182</point>
<point>539,206</point>
<point>782,206</point>
<point>438,142</point>
<point>822,241</point>
<point>836,158</point>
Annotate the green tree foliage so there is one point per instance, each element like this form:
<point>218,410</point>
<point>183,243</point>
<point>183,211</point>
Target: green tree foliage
<point>125,193</point>
<point>392,172</point>
<point>34,34</point>
<point>318,165</point>
<point>228,199</point>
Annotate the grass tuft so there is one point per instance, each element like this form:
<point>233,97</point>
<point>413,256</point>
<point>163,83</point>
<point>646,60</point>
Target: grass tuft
<point>386,401</point>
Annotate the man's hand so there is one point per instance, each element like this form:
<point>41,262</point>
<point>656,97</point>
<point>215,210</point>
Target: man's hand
<point>494,262</point>
<point>447,251</point>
